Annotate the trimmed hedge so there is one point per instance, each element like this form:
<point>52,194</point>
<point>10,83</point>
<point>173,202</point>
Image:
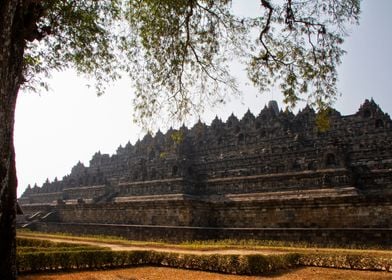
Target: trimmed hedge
<point>27,245</point>
<point>41,255</point>
<point>347,261</point>
<point>40,243</point>
<point>60,249</point>
<point>234,264</point>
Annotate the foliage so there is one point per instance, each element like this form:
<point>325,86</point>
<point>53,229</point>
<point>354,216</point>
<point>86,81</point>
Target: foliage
<point>185,47</point>
<point>39,243</point>
<point>163,155</point>
<point>177,137</point>
<point>235,264</point>
<point>76,34</point>
<point>178,53</point>
<point>301,48</point>
<point>322,119</point>
<point>42,255</point>
<point>255,264</point>
<point>26,245</point>
<point>214,244</point>
<point>60,249</point>
<point>346,260</point>
<point>276,244</point>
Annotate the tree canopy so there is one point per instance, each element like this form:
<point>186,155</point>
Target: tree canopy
<point>178,53</point>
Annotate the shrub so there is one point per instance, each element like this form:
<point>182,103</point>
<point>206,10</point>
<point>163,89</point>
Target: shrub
<point>59,249</point>
<point>347,260</point>
<point>66,260</point>
<point>42,255</point>
<point>38,243</point>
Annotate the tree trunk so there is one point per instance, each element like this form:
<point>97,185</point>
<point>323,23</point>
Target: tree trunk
<point>12,47</point>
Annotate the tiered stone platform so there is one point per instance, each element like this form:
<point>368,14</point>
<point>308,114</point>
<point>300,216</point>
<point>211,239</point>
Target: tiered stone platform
<point>274,176</point>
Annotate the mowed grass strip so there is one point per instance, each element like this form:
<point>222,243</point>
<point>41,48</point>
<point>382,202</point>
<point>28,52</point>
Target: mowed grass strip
<point>207,245</point>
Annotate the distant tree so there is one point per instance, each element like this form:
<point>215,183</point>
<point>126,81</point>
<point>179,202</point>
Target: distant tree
<point>178,53</point>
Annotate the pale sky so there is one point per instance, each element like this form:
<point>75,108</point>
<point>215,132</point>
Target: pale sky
<point>56,129</point>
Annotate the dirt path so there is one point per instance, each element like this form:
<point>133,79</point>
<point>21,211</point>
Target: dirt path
<point>123,247</point>
<point>159,273</point>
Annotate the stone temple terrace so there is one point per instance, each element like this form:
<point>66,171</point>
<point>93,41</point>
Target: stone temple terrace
<point>274,176</point>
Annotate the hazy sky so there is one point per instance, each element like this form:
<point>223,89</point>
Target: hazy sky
<point>56,129</point>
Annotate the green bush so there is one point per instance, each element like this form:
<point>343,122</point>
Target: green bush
<point>233,264</point>
<point>87,259</point>
<point>59,249</point>
<point>41,255</point>
<point>346,260</point>
<point>38,243</point>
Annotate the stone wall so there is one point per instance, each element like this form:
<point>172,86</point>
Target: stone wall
<point>327,208</point>
<point>322,212</point>
<point>156,187</point>
<point>41,198</point>
<point>84,192</point>
<point>175,212</point>
<point>305,180</point>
